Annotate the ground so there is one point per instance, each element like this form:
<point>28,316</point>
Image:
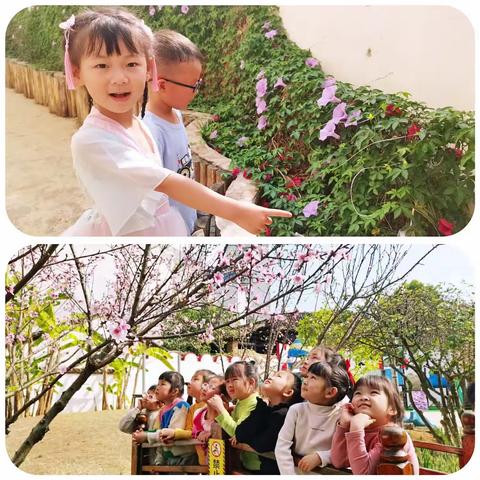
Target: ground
<point>77,443</point>
<point>43,196</point>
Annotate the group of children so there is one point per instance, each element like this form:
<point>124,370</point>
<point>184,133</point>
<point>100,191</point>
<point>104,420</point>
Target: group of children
<point>323,417</point>
<point>137,172</point>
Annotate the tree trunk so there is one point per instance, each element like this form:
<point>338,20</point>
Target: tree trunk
<point>39,431</point>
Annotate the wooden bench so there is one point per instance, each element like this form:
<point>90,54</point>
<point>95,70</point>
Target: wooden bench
<point>393,460</point>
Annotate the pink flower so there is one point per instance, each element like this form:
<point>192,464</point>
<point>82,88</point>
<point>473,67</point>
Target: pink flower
<point>271,34</point>
<point>318,287</point>
<point>261,74</point>
<point>279,83</point>
<point>328,95</point>
<point>328,82</point>
<point>241,141</point>
<point>262,122</point>
<point>213,135</point>
<point>261,105</point>
<point>184,9</point>
<point>119,330</point>
<point>311,209</point>
<point>353,117</point>
<point>291,197</point>
<point>267,25</point>
<point>218,278</point>
<point>297,279</point>
<point>62,369</point>
<point>339,113</point>
<point>311,62</point>
<point>328,131</point>
<point>445,227</point>
<point>9,339</point>
<point>216,117</point>
<point>261,87</point>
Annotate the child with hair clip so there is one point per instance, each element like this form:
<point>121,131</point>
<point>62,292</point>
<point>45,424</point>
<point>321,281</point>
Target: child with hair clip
<point>203,421</point>
<point>109,52</point>
<point>194,390</point>
<point>241,380</point>
<point>309,426</point>
<point>172,415</point>
<point>356,442</point>
<point>260,429</point>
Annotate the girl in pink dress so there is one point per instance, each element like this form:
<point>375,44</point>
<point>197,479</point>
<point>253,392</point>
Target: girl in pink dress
<point>356,442</point>
<point>109,51</point>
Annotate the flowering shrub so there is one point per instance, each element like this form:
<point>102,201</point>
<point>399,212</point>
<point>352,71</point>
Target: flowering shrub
<point>376,163</point>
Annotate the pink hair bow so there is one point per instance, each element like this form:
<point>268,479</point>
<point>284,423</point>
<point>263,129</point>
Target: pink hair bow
<point>67,27</point>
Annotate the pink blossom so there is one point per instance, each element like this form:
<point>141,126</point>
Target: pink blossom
<point>291,197</point>
<point>184,9</point>
<point>328,82</point>
<point>297,279</point>
<point>62,369</point>
<point>311,62</point>
<point>261,74</point>
<point>279,83</point>
<point>271,34</point>
<point>213,135</point>
<point>262,122</point>
<point>10,289</point>
<point>328,131</point>
<point>311,209</point>
<point>9,339</point>
<point>267,25</point>
<point>261,87</point>
<point>318,287</point>
<point>353,117</point>
<point>241,141</point>
<point>119,330</point>
<point>328,95</point>
<point>261,105</point>
<point>339,113</point>
<point>218,278</point>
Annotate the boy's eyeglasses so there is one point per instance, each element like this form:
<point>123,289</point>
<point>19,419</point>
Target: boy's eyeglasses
<point>195,87</point>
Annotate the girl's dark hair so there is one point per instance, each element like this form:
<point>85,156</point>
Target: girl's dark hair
<point>175,380</point>
<point>152,387</point>
<point>206,374</point>
<point>243,369</point>
<point>297,390</point>
<point>335,376</point>
<point>109,26</point>
<point>222,386</point>
<point>382,384</point>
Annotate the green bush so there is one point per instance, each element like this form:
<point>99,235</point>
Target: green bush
<point>440,461</point>
<point>404,169</point>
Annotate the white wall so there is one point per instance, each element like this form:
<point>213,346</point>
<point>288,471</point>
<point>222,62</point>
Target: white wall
<point>427,51</point>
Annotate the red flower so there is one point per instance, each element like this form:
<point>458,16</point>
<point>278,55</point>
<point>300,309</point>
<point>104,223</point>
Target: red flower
<point>247,174</point>
<point>265,203</point>
<point>281,157</point>
<point>458,152</point>
<point>412,131</point>
<point>445,227</point>
<point>268,177</point>
<point>393,111</point>
<point>268,232</point>
<point>216,118</point>
<point>294,182</point>
<point>235,171</point>
<point>291,197</point>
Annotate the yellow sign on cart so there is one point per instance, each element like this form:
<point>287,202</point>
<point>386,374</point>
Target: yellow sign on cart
<point>216,456</point>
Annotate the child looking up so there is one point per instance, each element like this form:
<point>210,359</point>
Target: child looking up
<point>356,443</point>
<point>309,426</point>
<point>171,416</point>
<point>261,428</point>
<point>148,404</point>
<point>179,66</point>
<point>241,380</point>
<point>109,52</point>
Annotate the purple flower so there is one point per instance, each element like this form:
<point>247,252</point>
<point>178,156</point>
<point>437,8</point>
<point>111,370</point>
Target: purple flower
<point>151,11</point>
<point>213,135</point>
<point>328,82</point>
<point>261,87</point>
<point>279,83</point>
<point>328,95</point>
<point>311,209</point>
<point>262,122</point>
<point>271,34</point>
<point>9,339</point>
<point>241,141</point>
<point>242,64</point>
<point>339,113</point>
<point>267,25</point>
<point>184,9</point>
<point>261,105</point>
<point>261,74</point>
<point>311,62</point>
<point>353,117</point>
<point>328,131</point>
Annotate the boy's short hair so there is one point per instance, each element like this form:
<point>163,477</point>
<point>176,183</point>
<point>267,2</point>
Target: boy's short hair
<point>171,47</point>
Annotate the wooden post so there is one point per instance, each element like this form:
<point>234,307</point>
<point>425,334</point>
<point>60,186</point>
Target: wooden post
<point>468,438</point>
<point>394,460</point>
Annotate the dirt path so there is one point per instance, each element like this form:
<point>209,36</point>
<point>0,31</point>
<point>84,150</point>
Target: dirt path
<point>42,194</point>
<point>78,443</point>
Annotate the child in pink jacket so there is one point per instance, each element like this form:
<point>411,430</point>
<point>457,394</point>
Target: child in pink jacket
<point>356,442</point>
